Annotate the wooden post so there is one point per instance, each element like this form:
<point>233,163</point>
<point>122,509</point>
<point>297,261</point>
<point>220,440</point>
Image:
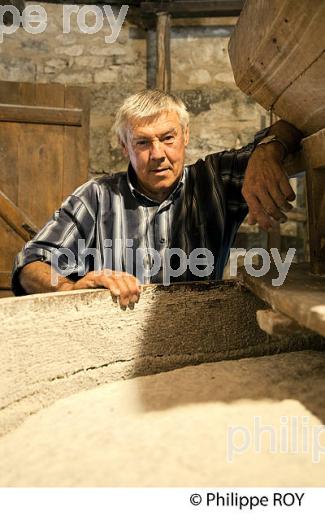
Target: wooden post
<point>163,66</point>
<point>314,150</point>
<point>274,237</point>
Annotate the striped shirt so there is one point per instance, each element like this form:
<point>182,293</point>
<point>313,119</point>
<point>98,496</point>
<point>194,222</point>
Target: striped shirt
<point>108,223</point>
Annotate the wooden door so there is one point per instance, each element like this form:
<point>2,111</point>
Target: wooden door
<point>44,152</point>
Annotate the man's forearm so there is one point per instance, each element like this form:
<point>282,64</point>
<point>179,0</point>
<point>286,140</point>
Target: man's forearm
<point>37,278</point>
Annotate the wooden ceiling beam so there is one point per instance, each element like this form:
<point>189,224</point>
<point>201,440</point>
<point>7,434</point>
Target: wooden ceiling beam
<point>192,8</point>
<point>113,3</point>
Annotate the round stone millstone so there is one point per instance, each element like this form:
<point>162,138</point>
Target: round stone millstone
<point>174,429</point>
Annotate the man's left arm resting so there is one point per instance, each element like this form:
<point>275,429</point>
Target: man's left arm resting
<point>266,186</point>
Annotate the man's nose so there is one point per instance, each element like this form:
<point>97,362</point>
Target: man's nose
<point>157,150</point>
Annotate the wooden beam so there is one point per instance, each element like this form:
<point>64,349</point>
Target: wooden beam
<point>133,3</point>
<point>314,150</point>
<point>211,21</point>
<point>294,164</point>
<point>194,8</point>
<point>277,324</point>
<point>16,218</point>
<point>297,215</point>
<point>301,297</point>
<point>163,64</point>
<point>274,237</point>
<point>41,115</point>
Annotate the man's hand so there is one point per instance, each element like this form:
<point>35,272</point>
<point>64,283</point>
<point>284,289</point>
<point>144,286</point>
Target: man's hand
<point>266,187</point>
<point>36,277</point>
<point>123,286</point>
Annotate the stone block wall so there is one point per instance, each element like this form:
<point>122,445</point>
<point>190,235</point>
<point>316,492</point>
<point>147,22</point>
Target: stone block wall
<point>221,116</point>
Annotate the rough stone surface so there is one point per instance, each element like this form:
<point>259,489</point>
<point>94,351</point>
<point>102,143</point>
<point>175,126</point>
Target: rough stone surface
<point>221,116</point>
<point>53,345</point>
<point>175,429</point>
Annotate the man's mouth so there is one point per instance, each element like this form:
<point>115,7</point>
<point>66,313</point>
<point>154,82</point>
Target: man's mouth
<point>159,170</point>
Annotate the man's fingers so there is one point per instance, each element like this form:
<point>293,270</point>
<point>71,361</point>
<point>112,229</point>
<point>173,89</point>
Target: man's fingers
<point>121,285</point>
<point>133,287</point>
<point>125,294</point>
<point>258,214</point>
<point>251,220</point>
<point>129,288</point>
<point>270,207</point>
<point>286,206</point>
<point>113,287</point>
<point>286,188</point>
<point>267,205</point>
<point>277,196</point>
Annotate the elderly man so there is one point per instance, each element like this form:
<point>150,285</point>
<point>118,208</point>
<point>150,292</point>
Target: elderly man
<point>174,215</point>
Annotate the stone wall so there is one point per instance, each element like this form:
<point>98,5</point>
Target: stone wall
<point>221,116</point>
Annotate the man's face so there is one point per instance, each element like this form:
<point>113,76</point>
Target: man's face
<point>156,149</point>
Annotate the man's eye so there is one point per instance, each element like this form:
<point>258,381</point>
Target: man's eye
<point>142,143</point>
<point>169,138</point>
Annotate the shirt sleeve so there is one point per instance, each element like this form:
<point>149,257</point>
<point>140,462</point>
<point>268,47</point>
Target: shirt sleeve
<point>58,242</point>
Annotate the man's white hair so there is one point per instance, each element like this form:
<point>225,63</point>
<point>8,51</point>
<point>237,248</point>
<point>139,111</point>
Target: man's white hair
<point>148,104</point>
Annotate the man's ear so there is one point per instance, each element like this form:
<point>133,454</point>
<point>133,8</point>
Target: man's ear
<point>123,147</point>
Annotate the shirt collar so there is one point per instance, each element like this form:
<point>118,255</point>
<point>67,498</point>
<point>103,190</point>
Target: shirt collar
<point>131,180</point>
